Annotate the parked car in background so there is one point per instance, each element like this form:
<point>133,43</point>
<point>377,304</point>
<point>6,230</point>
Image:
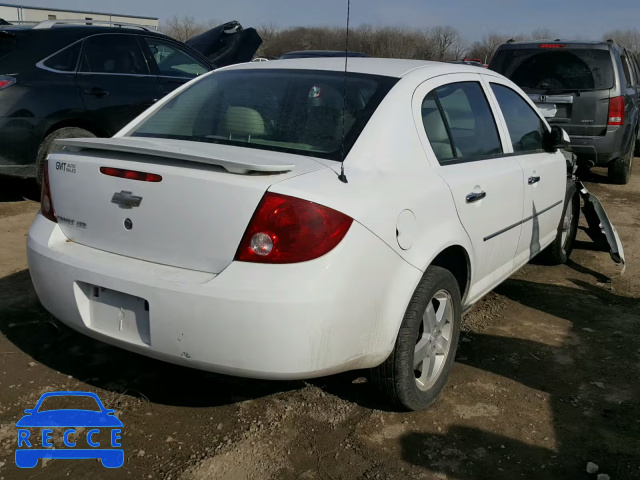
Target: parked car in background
<point>60,79</point>
<point>591,89</point>
<point>320,54</point>
<point>270,221</point>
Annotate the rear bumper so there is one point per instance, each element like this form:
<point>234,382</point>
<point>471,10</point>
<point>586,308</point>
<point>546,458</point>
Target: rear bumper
<point>336,313</point>
<point>599,151</point>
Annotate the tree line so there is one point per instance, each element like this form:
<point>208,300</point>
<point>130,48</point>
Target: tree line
<point>440,43</point>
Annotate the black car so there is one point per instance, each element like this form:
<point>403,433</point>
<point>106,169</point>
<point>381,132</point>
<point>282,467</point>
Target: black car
<point>63,80</point>
<point>320,53</point>
<point>591,89</point>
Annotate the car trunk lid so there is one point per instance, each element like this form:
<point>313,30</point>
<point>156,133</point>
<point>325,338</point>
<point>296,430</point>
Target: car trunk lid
<point>193,218</point>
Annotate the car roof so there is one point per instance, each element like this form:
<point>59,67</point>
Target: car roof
<point>78,30</point>
<point>325,53</point>
<point>388,67</point>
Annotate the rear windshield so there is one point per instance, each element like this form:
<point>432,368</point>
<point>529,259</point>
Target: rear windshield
<point>294,111</point>
<point>8,44</point>
<point>540,70</point>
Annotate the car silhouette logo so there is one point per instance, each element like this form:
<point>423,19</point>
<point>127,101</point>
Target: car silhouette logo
<point>28,452</point>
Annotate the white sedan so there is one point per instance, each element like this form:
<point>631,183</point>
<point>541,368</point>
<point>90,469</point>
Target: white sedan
<point>285,220</point>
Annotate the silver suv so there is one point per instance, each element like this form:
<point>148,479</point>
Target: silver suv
<point>590,89</point>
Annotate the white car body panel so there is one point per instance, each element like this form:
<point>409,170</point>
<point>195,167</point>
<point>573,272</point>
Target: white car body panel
<point>338,312</point>
<point>544,200</point>
<point>165,230</point>
<point>288,322</point>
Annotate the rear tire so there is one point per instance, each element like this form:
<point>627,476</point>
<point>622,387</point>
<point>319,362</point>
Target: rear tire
<point>48,145</point>
<point>620,169</point>
<point>419,365</point>
<point>559,251</point>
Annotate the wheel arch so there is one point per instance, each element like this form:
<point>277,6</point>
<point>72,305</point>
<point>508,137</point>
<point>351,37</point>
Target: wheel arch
<point>456,259</point>
<point>77,122</point>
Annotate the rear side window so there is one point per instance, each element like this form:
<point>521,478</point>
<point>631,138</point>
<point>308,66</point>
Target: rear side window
<point>525,126</point>
<point>172,61</point>
<point>626,67</point>
<point>119,54</point>
<point>545,70</point>
<point>65,60</point>
<point>459,124</point>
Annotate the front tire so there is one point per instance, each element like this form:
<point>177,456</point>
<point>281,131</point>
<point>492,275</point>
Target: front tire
<point>48,146</point>
<point>419,365</point>
<point>559,251</point>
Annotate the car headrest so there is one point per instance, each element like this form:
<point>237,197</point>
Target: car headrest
<point>244,121</point>
<point>433,124</point>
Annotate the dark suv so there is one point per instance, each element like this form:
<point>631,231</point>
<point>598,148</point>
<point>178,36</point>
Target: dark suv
<point>591,89</point>
<point>61,80</point>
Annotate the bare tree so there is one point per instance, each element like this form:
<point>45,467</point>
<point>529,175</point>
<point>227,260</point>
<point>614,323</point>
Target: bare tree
<point>486,47</point>
<point>543,34</point>
<point>447,43</point>
<point>627,38</point>
<point>184,28</point>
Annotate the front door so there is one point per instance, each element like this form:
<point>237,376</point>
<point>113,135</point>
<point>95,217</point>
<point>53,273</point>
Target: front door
<point>174,64</point>
<point>115,81</point>
<point>486,185</point>
<point>545,180</point>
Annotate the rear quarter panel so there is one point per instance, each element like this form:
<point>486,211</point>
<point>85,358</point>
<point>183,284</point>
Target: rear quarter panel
<point>388,172</point>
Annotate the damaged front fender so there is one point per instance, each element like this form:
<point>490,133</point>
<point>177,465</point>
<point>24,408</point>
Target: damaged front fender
<point>600,227</point>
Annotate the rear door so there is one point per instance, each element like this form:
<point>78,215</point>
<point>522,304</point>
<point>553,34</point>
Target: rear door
<point>173,64</point>
<point>570,84</point>
<point>486,184</point>
<point>114,80</point>
<point>545,175</point>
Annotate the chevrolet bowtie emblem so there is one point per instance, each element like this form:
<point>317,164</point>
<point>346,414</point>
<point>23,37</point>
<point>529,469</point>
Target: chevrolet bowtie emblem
<point>125,199</point>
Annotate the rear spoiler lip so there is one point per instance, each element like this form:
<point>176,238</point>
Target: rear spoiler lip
<point>137,146</point>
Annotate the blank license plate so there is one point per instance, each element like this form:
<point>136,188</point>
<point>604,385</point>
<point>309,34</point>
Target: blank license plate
<point>119,315</point>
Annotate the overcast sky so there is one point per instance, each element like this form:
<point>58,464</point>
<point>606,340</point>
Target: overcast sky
<point>474,18</point>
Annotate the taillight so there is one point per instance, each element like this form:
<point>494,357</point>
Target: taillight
<point>130,174</point>
<point>290,230</point>
<point>46,202</point>
<point>551,45</point>
<point>616,111</point>
<point>6,81</point>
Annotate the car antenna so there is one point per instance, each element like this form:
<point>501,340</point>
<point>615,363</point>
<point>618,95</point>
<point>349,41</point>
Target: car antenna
<point>342,177</point>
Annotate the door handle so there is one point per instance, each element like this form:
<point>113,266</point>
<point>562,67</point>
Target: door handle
<point>97,92</point>
<point>533,180</point>
<point>475,197</point>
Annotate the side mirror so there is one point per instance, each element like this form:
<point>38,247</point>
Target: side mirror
<point>556,139</point>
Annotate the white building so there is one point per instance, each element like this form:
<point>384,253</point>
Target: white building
<point>24,13</point>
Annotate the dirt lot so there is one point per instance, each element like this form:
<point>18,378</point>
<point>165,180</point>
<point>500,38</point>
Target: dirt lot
<point>546,380</point>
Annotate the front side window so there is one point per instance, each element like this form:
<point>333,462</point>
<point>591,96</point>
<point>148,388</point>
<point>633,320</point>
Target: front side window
<point>295,111</point>
<point>113,54</point>
<point>459,123</point>
<point>172,61</point>
<point>526,129</point>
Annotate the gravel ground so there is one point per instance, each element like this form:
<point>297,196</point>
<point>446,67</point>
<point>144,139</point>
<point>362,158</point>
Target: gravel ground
<point>546,381</point>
